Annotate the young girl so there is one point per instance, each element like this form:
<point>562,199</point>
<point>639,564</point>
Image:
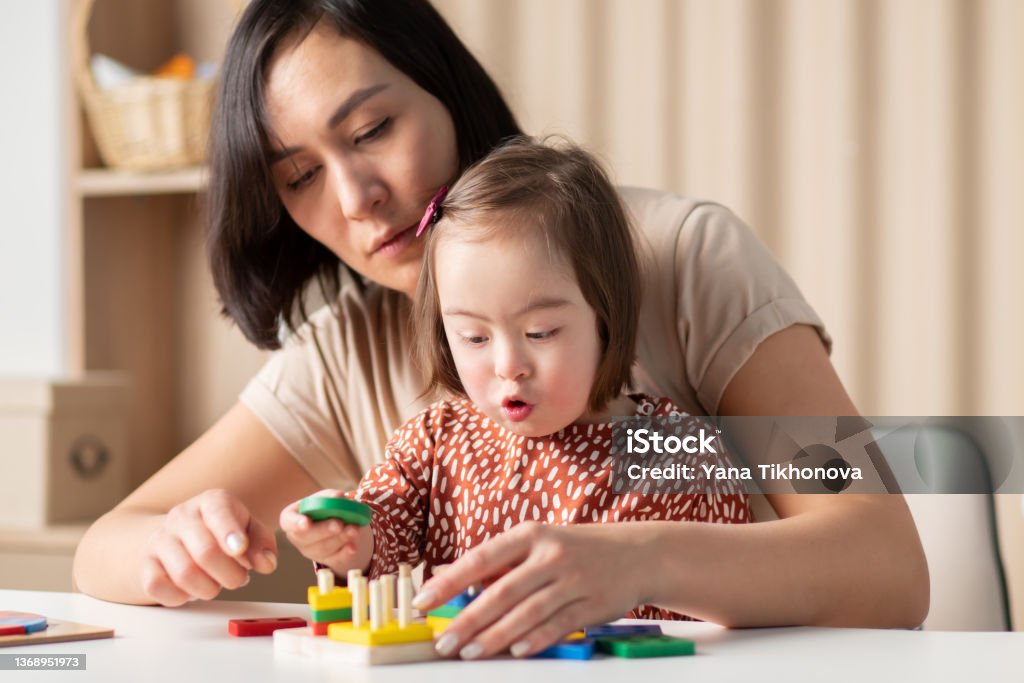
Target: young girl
<point>526,313</point>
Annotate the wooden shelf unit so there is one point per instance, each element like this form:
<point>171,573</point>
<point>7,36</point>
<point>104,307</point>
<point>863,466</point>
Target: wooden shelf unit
<point>39,559</point>
<point>138,295</point>
<point>104,182</point>
<point>140,298</point>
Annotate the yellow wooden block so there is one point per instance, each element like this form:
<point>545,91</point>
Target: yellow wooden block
<point>439,624</point>
<point>339,598</point>
<point>387,635</point>
<point>576,635</point>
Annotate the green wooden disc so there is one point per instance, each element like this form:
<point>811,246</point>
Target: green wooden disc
<point>348,511</point>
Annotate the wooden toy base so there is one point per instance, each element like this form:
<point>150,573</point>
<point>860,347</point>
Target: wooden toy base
<point>57,632</point>
<point>302,642</point>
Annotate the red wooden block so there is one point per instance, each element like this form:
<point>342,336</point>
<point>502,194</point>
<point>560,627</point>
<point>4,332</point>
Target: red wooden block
<point>13,630</point>
<point>262,627</point>
<point>320,627</point>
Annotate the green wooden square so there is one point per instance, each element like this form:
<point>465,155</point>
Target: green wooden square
<point>446,611</point>
<point>635,647</point>
<point>342,614</point>
<point>348,511</point>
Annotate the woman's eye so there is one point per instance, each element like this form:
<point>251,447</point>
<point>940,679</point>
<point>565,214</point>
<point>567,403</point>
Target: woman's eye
<point>374,132</point>
<point>303,180</point>
<point>541,335</point>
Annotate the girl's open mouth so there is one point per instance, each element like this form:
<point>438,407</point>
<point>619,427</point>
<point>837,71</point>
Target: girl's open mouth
<point>516,410</point>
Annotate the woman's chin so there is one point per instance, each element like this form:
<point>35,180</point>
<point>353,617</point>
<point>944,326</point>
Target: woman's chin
<point>403,278</point>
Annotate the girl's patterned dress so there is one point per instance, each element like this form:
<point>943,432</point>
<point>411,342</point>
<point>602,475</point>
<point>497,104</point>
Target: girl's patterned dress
<point>453,478</point>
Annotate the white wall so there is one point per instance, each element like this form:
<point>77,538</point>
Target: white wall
<point>32,188</point>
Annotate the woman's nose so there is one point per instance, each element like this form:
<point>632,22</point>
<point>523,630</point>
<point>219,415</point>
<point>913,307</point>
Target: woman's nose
<point>360,190</point>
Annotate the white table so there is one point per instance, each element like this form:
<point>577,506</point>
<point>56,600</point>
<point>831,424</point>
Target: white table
<point>191,645</point>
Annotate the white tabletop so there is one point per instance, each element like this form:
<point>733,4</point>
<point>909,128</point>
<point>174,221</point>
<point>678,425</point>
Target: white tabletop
<point>191,645</point>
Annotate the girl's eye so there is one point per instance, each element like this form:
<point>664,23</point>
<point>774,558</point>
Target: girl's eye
<point>541,335</point>
<point>375,131</point>
<point>475,341</point>
<point>303,180</point>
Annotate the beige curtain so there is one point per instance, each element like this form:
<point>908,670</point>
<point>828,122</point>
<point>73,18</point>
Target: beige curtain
<point>877,147</point>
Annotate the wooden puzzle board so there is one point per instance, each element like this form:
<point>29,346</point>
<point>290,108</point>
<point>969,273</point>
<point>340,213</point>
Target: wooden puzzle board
<point>58,632</point>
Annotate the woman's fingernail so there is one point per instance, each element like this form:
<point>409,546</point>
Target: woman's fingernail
<point>471,651</point>
<point>235,543</point>
<point>519,649</point>
<point>446,644</point>
<point>423,598</point>
<point>246,582</point>
<point>271,558</point>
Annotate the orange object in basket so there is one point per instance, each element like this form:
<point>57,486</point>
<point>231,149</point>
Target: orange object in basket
<point>179,66</point>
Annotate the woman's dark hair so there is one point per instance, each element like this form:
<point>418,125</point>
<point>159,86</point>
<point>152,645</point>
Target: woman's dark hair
<point>260,259</point>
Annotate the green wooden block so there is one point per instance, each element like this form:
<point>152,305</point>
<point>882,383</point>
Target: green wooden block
<point>348,511</point>
<point>446,611</point>
<point>320,616</point>
<point>635,647</point>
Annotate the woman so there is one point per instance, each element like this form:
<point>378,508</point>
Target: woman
<point>336,123</point>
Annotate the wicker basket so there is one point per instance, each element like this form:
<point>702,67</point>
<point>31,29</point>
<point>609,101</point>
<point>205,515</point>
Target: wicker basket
<point>146,124</point>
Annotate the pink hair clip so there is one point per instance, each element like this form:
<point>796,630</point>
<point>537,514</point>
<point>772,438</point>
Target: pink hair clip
<point>433,212</point>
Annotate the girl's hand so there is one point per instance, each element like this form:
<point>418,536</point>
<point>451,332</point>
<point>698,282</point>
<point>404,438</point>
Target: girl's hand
<point>552,580</point>
<point>331,542</point>
<point>207,543</point>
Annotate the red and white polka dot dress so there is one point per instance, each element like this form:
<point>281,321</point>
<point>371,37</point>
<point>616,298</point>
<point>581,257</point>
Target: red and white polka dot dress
<point>454,478</point>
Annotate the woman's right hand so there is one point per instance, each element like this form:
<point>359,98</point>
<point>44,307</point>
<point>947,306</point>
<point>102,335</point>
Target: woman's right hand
<point>209,542</point>
<point>331,542</point>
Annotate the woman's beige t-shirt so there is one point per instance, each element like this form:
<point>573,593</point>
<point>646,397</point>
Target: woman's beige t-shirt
<point>712,292</point>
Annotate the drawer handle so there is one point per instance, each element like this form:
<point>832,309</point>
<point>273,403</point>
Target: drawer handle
<point>89,457</point>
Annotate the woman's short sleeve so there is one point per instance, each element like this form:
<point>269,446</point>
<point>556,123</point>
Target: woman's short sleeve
<point>340,386</point>
<point>712,293</point>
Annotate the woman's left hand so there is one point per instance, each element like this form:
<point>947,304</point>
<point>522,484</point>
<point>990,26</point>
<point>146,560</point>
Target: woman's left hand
<point>542,583</point>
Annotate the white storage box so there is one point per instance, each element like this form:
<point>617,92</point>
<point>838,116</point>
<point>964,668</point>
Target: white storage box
<point>62,449</point>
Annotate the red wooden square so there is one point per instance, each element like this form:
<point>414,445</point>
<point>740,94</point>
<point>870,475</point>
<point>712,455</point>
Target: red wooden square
<point>262,627</point>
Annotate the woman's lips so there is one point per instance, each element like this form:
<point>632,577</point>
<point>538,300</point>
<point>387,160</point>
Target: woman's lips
<point>516,410</point>
<point>398,243</point>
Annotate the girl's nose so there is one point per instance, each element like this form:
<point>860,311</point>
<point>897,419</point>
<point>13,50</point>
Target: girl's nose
<point>360,190</point>
<point>511,364</point>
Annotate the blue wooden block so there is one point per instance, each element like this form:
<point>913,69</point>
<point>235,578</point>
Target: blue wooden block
<point>36,626</point>
<point>463,599</point>
<point>568,649</point>
<point>622,630</point>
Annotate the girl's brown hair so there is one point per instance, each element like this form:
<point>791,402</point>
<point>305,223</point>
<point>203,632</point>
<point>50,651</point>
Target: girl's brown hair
<point>260,259</point>
<point>560,194</point>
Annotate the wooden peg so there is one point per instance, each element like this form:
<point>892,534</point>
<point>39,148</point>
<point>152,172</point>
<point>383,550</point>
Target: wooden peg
<point>324,580</point>
<point>359,596</point>
<point>405,592</point>
<point>387,587</point>
<point>376,606</point>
